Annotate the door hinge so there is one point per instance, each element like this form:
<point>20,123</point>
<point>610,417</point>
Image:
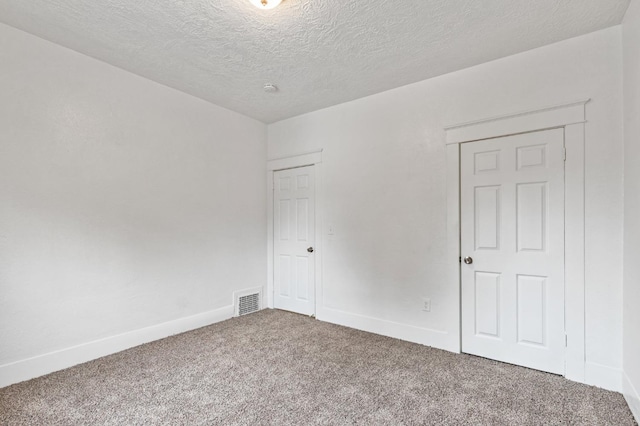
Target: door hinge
<point>460,259</point>
<point>565,154</point>
<point>566,340</point>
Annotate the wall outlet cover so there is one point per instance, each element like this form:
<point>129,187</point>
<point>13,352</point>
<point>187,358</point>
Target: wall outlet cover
<point>426,305</point>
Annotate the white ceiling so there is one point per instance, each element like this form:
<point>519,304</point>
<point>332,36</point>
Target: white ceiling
<point>318,52</point>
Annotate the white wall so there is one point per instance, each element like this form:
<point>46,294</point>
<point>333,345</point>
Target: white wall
<point>385,190</point>
<point>123,203</point>
<point>631,337</point>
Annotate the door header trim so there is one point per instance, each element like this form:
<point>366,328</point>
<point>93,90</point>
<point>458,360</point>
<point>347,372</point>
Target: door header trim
<point>521,122</point>
<point>292,161</point>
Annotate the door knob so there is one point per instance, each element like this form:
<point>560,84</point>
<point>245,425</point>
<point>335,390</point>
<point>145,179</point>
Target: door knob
<point>468,260</point>
<point>310,249</point>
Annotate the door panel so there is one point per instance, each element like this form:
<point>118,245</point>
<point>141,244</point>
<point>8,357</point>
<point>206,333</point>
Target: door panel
<point>487,298</point>
<point>294,233</point>
<point>531,216</point>
<point>531,309</point>
<point>512,226</point>
<point>487,217</point>
<point>284,274</point>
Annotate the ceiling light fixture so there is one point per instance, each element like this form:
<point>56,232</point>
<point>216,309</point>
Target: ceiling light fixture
<point>265,4</point>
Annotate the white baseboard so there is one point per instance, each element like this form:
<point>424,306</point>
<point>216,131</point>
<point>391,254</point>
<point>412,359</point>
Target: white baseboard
<point>40,365</point>
<point>603,376</point>
<point>632,396</point>
<point>424,336</point>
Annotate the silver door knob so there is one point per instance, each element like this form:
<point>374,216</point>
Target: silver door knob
<point>310,249</point>
<point>468,260</point>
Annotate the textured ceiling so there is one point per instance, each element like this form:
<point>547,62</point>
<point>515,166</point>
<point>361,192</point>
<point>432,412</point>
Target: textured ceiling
<point>318,52</point>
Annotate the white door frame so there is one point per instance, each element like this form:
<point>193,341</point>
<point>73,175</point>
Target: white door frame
<point>571,117</point>
<point>290,162</point>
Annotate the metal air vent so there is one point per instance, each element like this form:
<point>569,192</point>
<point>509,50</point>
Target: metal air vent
<point>248,301</point>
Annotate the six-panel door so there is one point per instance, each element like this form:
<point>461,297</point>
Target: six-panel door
<point>512,226</point>
<point>294,236</point>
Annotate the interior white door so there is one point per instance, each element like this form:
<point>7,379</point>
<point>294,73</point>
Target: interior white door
<point>512,246</point>
<point>294,236</point>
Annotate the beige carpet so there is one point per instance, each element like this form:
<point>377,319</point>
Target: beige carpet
<point>278,368</point>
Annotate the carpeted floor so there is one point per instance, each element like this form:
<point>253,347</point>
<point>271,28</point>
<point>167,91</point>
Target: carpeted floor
<point>279,368</point>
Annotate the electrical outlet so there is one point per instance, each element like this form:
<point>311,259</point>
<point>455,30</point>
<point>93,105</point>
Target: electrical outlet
<point>426,305</point>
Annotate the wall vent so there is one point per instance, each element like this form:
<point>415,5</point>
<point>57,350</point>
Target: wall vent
<point>248,301</point>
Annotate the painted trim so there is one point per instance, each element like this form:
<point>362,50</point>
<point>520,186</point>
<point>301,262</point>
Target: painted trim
<point>40,365</point>
<point>522,122</point>
<point>632,396</point>
<point>290,162</point>
<point>574,257</point>
<point>453,234</point>
<point>571,116</point>
<point>603,376</point>
<point>410,333</point>
<point>319,227</point>
<point>270,248</point>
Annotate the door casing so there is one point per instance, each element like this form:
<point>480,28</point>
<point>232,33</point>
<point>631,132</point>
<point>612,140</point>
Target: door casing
<point>290,162</point>
<point>571,117</point>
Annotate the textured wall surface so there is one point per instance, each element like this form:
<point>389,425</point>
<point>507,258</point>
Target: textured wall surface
<point>123,203</point>
<point>384,182</point>
<point>319,52</point>
<point>631,42</point>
